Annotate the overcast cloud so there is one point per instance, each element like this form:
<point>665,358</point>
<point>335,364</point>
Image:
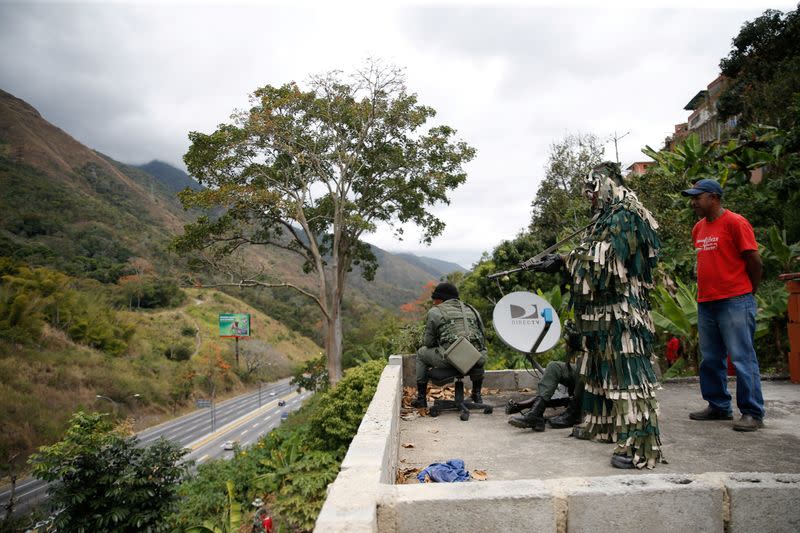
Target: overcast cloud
<point>131,80</point>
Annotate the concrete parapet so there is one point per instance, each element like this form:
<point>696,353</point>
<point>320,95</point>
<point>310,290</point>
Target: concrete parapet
<point>506,506</point>
<point>763,502</point>
<point>371,461</point>
<point>493,379</point>
<point>364,498</point>
<point>652,503</point>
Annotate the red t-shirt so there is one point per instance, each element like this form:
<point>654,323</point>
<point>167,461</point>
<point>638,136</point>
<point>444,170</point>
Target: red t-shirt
<point>720,266</point>
<point>673,345</point>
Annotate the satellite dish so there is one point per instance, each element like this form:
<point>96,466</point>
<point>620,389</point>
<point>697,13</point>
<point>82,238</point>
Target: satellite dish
<point>519,319</point>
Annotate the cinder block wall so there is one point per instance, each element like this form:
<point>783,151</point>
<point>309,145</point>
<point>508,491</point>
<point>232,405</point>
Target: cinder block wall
<point>494,379</point>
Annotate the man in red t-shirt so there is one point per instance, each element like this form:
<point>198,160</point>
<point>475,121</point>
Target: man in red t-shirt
<point>728,273</point>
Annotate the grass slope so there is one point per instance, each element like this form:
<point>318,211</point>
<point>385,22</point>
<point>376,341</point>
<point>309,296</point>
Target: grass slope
<point>42,385</point>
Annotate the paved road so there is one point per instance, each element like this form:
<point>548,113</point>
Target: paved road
<point>243,419</point>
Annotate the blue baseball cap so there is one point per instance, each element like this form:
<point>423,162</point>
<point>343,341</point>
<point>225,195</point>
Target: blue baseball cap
<point>702,186</point>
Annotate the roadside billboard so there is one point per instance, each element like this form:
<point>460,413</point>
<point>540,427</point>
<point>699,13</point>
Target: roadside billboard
<point>234,325</point>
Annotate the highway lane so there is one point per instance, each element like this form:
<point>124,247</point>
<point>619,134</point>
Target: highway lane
<point>193,431</point>
<point>195,425</point>
<point>245,430</point>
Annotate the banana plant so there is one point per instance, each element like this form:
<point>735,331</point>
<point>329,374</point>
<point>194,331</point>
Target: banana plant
<point>231,520</point>
<point>780,251</point>
<point>772,302</point>
<point>677,315</point>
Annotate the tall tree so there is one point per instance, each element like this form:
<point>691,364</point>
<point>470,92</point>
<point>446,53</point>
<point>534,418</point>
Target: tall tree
<point>764,68</point>
<point>311,170</point>
<point>559,203</point>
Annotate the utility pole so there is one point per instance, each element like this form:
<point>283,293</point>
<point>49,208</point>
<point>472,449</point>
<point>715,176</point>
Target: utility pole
<point>616,138</point>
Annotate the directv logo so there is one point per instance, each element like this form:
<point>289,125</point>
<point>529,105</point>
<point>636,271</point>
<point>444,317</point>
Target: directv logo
<point>522,313</point>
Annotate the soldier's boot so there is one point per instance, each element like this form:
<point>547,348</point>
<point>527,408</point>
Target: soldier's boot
<point>534,418</point>
<point>572,415</point>
<point>514,406</point>
<point>421,401</point>
<point>569,417</point>
<point>476,391</point>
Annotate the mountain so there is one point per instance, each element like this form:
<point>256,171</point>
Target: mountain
<point>67,206</point>
<point>175,179</point>
<point>434,267</point>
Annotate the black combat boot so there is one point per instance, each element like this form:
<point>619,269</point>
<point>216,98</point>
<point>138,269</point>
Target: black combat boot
<point>421,401</point>
<point>533,418</point>
<point>568,418</point>
<point>476,391</point>
<point>514,406</point>
<point>572,414</point>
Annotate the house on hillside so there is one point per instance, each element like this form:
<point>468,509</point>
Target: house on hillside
<point>704,119</point>
<point>680,133</point>
<point>638,168</point>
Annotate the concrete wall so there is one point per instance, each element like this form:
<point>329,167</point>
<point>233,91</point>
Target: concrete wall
<point>493,379</point>
<point>364,498</point>
<point>370,463</point>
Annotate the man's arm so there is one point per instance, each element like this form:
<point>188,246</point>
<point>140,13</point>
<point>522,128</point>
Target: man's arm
<point>753,267</point>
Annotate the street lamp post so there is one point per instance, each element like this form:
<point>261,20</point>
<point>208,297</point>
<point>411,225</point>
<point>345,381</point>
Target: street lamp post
<point>115,403</point>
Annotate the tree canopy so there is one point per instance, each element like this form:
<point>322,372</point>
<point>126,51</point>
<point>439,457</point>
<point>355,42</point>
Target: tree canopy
<point>103,482</point>
<point>764,68</point>
<point>313,170</point>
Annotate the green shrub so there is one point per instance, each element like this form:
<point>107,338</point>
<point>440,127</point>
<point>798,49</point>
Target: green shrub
<point>178,352</point>
<point>336,420</point>
<point>292,465</point>
<point>102,481</point>
<point>31,297</point>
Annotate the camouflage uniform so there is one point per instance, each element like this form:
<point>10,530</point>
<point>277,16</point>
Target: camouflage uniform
<point>443,325</point>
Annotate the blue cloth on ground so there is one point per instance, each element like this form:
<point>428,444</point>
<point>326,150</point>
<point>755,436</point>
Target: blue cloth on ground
<point>449,472</point>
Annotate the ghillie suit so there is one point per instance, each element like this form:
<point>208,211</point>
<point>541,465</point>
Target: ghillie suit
<point>612,273</point>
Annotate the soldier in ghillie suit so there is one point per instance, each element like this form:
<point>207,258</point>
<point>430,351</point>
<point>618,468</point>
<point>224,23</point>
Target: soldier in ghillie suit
<point>611,275</point>
<point>444,324</point>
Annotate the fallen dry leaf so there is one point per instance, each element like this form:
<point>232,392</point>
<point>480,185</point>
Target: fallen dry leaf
<point>406,475</point>
<point>479,475</point>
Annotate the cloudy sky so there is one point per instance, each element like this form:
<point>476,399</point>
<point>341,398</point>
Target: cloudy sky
<point>131,80</point>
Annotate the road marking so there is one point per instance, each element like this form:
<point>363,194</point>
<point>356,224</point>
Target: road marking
<point>244,431</point>
<point>232,425</point>
<point>255,425</point>
<point>202,458</point>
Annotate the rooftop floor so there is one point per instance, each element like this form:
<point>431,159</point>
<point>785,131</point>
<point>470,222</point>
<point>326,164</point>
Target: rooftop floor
<point>490,444</point>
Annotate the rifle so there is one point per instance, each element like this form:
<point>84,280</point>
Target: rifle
<point>541,254</point>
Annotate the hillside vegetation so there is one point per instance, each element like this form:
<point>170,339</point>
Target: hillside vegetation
<point>62,343</point>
